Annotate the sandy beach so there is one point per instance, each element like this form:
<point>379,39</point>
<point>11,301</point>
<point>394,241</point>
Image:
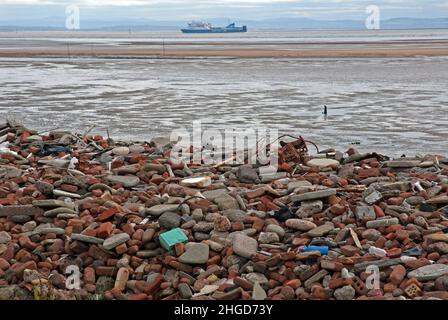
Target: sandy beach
<point>251,45</point>
<point>352,50</point>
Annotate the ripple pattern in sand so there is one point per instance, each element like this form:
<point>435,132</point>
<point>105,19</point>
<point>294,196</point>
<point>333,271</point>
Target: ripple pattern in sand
<point>390,105</point>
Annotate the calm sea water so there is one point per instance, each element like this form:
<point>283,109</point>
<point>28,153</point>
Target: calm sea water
<point>392,106</point>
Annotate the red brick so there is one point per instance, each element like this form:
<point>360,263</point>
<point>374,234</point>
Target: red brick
<point>138,297</point>
<point>367,173</point>
<point>398,274</point>
<point>108,214</point>
<point>105,230</point>
<point>105,271</point>
<point>349,250</point>
<point>4,265</point>
<point>89,232</point>
<point>89,275</point>
<point>379,212</point>
<point>122,248</point>
<point>69,188</point>
<point>395,201</point>
<point>153,287</point>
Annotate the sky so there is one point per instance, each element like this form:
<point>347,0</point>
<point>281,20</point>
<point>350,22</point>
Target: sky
<point>232,9</point>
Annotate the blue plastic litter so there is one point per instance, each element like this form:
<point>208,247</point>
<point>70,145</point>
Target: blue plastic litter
<point>413,252</point>
<point>322,249</point>
<point>170,238</point>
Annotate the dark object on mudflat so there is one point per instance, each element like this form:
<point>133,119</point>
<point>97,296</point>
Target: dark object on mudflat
<point>325,112</point>
<point>53,149</point>
<point>284,214</point>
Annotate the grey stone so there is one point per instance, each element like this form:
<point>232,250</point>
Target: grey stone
<point>403,163</point>
<point>54,212</point>
<point>159,168</point>
<point>361,267</point>
<point>277,229</point>
<point>203,226</point>
<point>67,216</point>
<point>298,184</point>
<point>322,163</point>
<point>201,236</point>
<point>197,215</point>
<point>150,253</point>
<point>258,292</point>
<point>14,292</point>
<point>4,237</point>
<point>136,148</point>
<point>440,247</point>
<point>53,204</point>
<point>373,197</point>
<point>371,234</point>
<point>226,202</point>
<point>244,246</point>
<point>74,181</point>
<point>124,170</point>
<point>196,254</point>
<point>308,208</point>
<point>213,194</point>
<point>400,185</point>
<point>88,239</point>
<point>29,226</point>
<point>157,210</point>
<point>184,291</point>
<point>234,215</point>
<point>61,193</point>
<point>345,293</point>
<point>20,219</point>
<point>26,210</point>
<point>9,172</point>
<point>365,213</point>
<point>44,187</point>
<point>321,194</point>
<point>115,241</point>
<point>246,174</point>
<point>48,230</point>
<point>257,277</point>
<point>382,223</point>
<point>429,272</point>
<point>320,231</point>
<point>438,200</point>
<point>357,157</point>
<point>415,200</point>
<point>299,224</point>
<point>169,220</point>
<point>271,177</point>
<point>346,171</point>
<point>120,151</point>
<point>268,237</point>
<point>7,293</point>
<point>315,278</point>
<point>126,181</point>
<point>215,246</point>
<point>148,235</point>
<point>104,284</point>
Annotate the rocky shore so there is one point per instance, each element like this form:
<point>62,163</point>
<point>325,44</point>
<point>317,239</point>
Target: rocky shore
<point>85,217</point>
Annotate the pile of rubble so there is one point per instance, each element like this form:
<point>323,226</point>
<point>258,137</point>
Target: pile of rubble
<point>84,217</point>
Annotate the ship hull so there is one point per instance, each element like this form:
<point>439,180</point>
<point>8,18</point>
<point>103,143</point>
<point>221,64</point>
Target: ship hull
<point>215,30</point>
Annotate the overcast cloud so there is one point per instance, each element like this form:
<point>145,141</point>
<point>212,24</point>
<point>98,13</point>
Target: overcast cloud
<point>232,9</point>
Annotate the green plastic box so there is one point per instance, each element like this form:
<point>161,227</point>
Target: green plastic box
<point>170,238</point>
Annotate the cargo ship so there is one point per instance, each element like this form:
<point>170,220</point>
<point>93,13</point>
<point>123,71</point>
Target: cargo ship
<point>203,27</point>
